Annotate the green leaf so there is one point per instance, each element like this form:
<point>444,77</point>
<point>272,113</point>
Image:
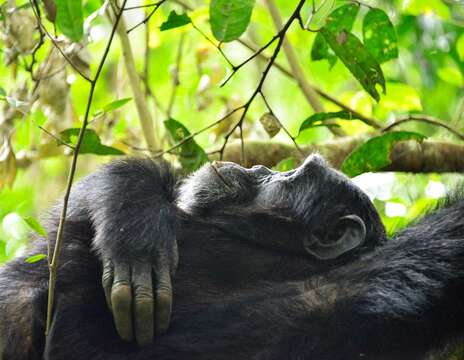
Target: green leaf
<point>322,12</point>
<point>35,258</point>
<point>285,164</point>
<point>460,47</point>
<point>229,19</point>
<point>192,155</point>
<point>340,19</point>
<point>115,104</point>
<point>379,36</point>
<point>2,92</point>
<point>70,19</point>
<point>374,154</point>
<point>91,143</point>
<point>357,59</point>
<point>318,117</point>
<point>321,51</point>
<point>175,20</point>
<point>35,225</point>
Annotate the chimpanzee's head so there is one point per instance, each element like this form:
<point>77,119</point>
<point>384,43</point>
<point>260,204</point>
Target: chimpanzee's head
<point>313,209</point>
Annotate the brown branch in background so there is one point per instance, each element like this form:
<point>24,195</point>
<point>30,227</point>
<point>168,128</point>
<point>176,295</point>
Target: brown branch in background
<point>146,121</point>
<point>427,157</point>
<point>146,59</point>
<point>424,119</point>
<point>175,75</point>
<point>145,77</point>
<point>53,40</point>
<point>409,156</point>
<point>53,263</point>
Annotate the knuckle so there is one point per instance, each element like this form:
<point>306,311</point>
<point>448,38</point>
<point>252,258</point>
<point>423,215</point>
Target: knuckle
<point>163,288</point>
<point>163,297</point>
<point>143,294</point>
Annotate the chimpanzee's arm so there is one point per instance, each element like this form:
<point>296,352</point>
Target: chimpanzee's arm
<point>131,207</point>
<point>403,299</point>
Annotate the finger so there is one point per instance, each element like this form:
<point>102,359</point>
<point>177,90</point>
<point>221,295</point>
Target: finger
<point>143,303</point>
<point>107,280</point>
<point>163,301</point>
<point>121,301</point>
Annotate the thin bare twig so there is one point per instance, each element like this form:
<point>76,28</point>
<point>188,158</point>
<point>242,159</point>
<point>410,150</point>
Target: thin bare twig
<point>53,40</point>
<point>57,138</point>
<point>217,46</point>
<point>367,120</point>
<point>145,117</point>
<point>53,264</point>
<point>192,135</point>
<point>268,106</point>
<point>143,6</point>
<point>425,119</point>
<point>281,37</point>
<point>297,71</point>
<point>144,21</point>
<point>259,51</point>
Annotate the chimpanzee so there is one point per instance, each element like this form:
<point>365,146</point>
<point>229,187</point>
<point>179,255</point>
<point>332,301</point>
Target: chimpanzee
<point>267,265</point>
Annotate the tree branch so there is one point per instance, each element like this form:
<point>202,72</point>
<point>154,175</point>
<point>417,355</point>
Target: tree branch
<point>367,120</point>
<point>430,156</point>
<point>43,30</point>
<point>146,121</point>
<point>297,71</point>
<point>53,263</point>
<point>410,156</point>
<point>425,119</point>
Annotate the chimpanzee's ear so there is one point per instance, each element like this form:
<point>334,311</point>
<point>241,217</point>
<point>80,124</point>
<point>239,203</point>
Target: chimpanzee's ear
<point>347,233</point>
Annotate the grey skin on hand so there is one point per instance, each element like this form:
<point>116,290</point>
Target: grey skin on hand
<point>139,295</point>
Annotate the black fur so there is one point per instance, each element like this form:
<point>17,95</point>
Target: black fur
<point>245,287</point>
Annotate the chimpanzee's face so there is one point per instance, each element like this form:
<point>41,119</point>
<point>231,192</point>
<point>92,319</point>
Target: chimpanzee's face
<point>318,199</point>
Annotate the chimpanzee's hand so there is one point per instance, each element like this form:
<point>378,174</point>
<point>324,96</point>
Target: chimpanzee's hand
<point>131,205</point>
<point>139,293</point>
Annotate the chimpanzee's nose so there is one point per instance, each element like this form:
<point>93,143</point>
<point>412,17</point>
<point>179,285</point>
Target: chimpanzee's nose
<point>315,159</point>
<point>313,164</point>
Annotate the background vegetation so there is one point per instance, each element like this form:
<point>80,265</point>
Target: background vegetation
<point>380,80</point>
